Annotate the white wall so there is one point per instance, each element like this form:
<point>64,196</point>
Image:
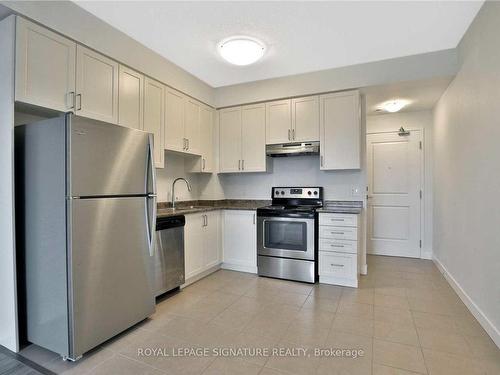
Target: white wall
<point>69,19</point>
<point>410,68</point>
<point>467,172</point>
<point>422,120</point>
<point>291,171</point>
<point>8,299</point>
<point>174,167</point>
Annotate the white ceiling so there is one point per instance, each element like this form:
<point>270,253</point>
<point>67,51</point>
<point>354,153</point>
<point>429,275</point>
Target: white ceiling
<point>300,36</point>
<point>421,95</point>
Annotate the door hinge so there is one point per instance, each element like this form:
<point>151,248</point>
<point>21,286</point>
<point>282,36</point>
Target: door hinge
<point>421,194</point>
<point>420,243</point>
<point>420,145</point>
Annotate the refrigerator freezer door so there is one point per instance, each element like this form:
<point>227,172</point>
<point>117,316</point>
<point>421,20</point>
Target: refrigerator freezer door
<point>110,281</point>
<point>107,159</point>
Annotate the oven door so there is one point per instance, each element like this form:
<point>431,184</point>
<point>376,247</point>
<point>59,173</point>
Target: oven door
<point>285,237</point>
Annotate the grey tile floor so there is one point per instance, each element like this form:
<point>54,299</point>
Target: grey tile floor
<point>404,317</point>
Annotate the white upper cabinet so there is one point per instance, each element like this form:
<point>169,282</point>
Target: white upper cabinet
<point>292,120</point>
<point>278,122</point>
<point>96,86</point>
<point>242,144</point>
<point>253,138</point>
<point>45,67</point>
<point>130,98</point>
<point>182,123</point>
<point>230,140</point>
<point>340,131</point>
<point>192,126</point>
<point>206,162</point>
<point>305,119</point>
<point>154,117</point>
<point>174,121</point>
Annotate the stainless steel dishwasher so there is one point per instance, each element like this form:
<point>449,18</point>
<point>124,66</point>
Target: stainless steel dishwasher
<point>168,262</point>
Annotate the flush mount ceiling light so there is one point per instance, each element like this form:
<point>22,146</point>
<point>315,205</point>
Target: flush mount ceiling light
<point>241,50</point>
<point>394,105</point>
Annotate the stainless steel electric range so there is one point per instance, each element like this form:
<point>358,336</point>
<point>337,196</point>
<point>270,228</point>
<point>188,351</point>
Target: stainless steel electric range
<point>286,234</point>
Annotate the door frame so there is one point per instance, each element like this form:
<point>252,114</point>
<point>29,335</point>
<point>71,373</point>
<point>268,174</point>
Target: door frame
<point>422,254</point>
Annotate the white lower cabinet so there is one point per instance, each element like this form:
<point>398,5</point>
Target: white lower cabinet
<point>339,249</point>
<point>202,249</point>
<point>239,241</point>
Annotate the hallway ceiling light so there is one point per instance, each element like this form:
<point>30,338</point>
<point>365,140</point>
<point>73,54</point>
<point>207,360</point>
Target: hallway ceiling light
<point>394,105</point>
<point>241,50</point>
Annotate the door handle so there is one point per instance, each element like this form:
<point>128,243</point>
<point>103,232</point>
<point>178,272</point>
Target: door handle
<point>80,106</point>
<point>151,223</point>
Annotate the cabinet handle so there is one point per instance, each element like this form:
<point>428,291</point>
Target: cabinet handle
<point>203,166</point>
<point>254,219</point>
<point>239,165</point>
<point>336,265</point>
<point>80,106</point>
<point>293,134</point>
<point>321,160</point>
<point>332,245</point>
<point>187,141</point>
<point>243,165</point>
<point>337,232</point>
<point>289,138</point>
<point>71,94</point>
<point>336,219</point>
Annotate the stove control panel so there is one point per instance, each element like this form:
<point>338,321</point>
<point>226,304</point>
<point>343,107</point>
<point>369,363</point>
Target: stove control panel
<point>296,192</point>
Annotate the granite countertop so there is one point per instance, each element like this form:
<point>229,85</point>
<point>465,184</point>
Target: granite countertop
<point>191,207</point>
<point>342,207</point>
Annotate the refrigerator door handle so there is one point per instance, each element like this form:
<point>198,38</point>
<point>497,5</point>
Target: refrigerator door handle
<point>151,166</point>
<point>151,222</point>
<point>151,213</point>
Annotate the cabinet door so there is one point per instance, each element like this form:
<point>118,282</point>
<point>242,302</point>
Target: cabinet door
<point>305,119</point>
<point>230,140</point>
<point>96,86</point>
<point>253,138</point>
<point>206,139</point>
<point>131,98</point>
<point>211,240</point>
<point>240,241</point>
<point>340,131</point>
<point>174,120</point>
<point>193,245</point>
<point>279,122</point>
<point>154,117</point>
<point>192,126</point>
<point>45,67</point>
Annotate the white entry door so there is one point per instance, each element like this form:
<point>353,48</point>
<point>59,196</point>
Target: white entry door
<point>394,193</point>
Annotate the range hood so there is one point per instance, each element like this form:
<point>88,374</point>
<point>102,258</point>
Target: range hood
<point>293,149</point>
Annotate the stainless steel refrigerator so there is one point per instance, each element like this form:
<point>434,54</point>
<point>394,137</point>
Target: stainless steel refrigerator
<point>86,217</point>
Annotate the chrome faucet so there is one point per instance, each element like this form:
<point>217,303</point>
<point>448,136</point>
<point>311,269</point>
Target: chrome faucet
<point>173,189</point>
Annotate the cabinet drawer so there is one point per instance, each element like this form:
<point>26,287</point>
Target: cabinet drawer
<point>338,265</point>
<point>342,246</point>
<point>338,233</point>
<point>341,220</point>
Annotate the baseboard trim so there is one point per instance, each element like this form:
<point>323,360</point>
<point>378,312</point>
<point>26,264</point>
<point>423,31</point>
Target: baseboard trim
<point>488,326</point>
<point>426,254</point>
<point>239,267</point>
<point>201,275</point>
